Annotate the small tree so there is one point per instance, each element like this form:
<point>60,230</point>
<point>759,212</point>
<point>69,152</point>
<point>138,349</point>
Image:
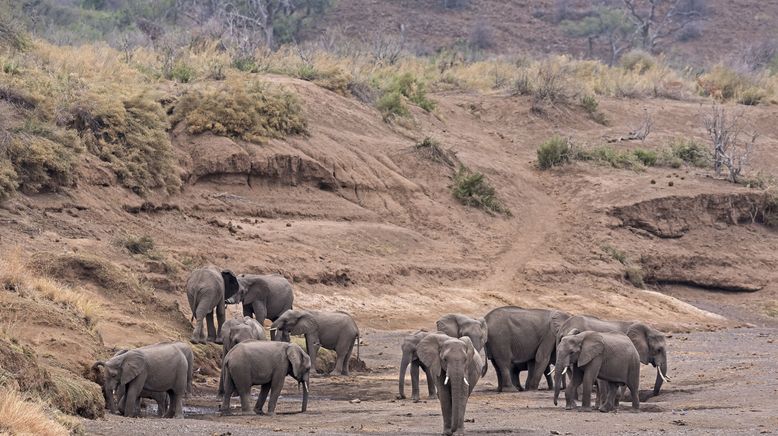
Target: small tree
<point>729,150</point>
<point>656,20</point>
<point>607,24</point>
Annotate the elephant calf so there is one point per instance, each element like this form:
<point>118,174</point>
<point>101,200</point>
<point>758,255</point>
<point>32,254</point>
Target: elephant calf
<point>609,357</point>
<point>410,356</point>
<point>267,364</point>
<point>235,331</point>
<point>207,289</point>
<point>456,368</point>
<point>335,331</point>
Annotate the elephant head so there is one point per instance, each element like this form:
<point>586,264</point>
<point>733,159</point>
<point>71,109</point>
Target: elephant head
<point>295,322</point>
<point>651,346</point>
<point>575,349</point>
<point>111,378</point>
<point>299,369</point>
<point>232,287</point>
<point>448,360</point>
<point>241,333</point>
<point>457,326</point>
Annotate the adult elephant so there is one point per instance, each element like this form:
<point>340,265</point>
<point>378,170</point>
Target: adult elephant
<point>522,338</point>
<point>649,342</point>
<point>335,331</point>
<point>592,356</point>
<point>456,368</point>
<point>235,331</point>
<point>410,357</point>
<point>264,297</point>
<point>164,367</point>
<point>207,289</point>
<point>267,364</point>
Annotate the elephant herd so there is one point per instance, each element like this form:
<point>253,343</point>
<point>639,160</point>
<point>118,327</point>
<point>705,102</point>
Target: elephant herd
<point>590,350</point>
<point>546,343</point>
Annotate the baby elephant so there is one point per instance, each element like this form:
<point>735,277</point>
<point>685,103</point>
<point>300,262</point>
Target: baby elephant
<point>335,331</point>
<point>456,368</point>
<point>610,357</point>
<point>266,364</point>
<point>235,331</point>
<point>408,346</point>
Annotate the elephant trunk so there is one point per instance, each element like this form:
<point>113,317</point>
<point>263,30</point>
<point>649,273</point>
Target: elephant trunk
<point>406,360</point>
<point>560,368</point>
<point>305,394</point>
<point>661,375</point>
<point>459,394</point>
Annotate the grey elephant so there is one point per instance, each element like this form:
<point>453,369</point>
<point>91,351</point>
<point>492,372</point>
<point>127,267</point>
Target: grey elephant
<point>235,331</point>
<point>264,297</point>
<point>207,289</point>
<point>335,331</point>
<point>649,342</point>
<point>163,368</point>
<point>266,364</point>
<point>593,356</point>
<point>161,398</point>
<point>457,325</point>
<point>410,357</point>
<point>456,367</point>
<point>522,338</point>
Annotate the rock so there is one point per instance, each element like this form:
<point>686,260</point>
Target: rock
<point>355,401</point>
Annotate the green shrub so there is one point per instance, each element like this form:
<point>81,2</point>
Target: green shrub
<point>472,189</point>
<point>590,104</point>
<point>615,253</point>
<point>624,159</point>
<point>307,72</point>
<point>245,64</point>
<point>414,90</point>
<point>391,105</point>
<point>646,157</point>
<point>130,133</point>
<point>554,152</point>
<point>11,67</point>
<point>253,111</point>
<point>690,152</point>
<point>9,181</point>
<point>751,96</point>
<point>182,73</point>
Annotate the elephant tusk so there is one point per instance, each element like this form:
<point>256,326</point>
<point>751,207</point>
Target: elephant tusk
<point>305,384</point>
<point>273,329</point>
<point>659,370</point>
<point>564,371</point>
<point>552,371</point>
<point>445,382</point>
<point>466,382</point>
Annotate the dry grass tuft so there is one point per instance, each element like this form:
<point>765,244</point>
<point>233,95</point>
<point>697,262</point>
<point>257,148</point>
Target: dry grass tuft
<point>20,416</point>
<point>75,395</point>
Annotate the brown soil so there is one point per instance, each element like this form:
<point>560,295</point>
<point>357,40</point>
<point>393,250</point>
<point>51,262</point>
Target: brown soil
<point>359,224</point>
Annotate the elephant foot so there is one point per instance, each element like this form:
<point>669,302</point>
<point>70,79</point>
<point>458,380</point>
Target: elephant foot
<point>584,409</point>
<point>399,397</point>
<point>604,409</point>
<point>218,341</point>
<point>415,400</point>
<point>433,397</point>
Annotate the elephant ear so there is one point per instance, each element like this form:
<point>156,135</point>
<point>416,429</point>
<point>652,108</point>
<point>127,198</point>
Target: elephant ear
<point>231,285</point>
<point>592,347</point>
<point>470,347</point>
<point>637,333</point>
<point>428,351</point>
<point>556,320</point>
<point>572,332</point>
<point>133,365</point>
<point>297,358</point>
<point>484,329</point>
<point>448,324</point>
<point>305,324</point>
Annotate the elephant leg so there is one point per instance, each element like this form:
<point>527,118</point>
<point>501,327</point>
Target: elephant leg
<point>211,327</point>
<point>262,398</point>
<point>134,389</point>
<point>177,403</point>
<point>219,322</point>
<point>431,389</point>
<point>633,384</point>
<point>346,359</point>
<point>275,391</point>
<point>229,388</point>
<point>312,350</point>
<point>163,402</point>
<point>503,370</point>
<point>542,359</point>
<point>590,375</point>
<point>516,377</point>
<point>245,400</point>
<point>415,382</point>
<point>572,387</point>
<point>198,337</point>
<point>622,392</point>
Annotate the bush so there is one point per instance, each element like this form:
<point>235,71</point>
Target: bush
<point>246,64</point>
<point>634,275</point>
<point>472,189</point>
<point>724,83</point>
<point>646,157</point>
<point>414,90</point>
<point>9,181</point>
<point>554,152</point>
<point>130,133</point>
<point>638,61</point>
<point>430,149</point>
<point>615,253</point>
<point>138,244</point>
<point>182,73</point>
<point>690,152</point>
<point>253,111</point>
<point>751,96</point>
<point>623,159</point>
<point>391,105</point>
<point>590,104</point>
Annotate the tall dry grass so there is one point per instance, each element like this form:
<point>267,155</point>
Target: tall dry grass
<point>20,416</point>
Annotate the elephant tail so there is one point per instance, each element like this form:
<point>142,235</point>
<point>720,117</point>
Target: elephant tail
<point>358,341</point>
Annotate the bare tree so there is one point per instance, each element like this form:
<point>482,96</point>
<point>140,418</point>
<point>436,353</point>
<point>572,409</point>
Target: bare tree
<point>246,19</point>
<point>729,150</point>
<point>656,20</point>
